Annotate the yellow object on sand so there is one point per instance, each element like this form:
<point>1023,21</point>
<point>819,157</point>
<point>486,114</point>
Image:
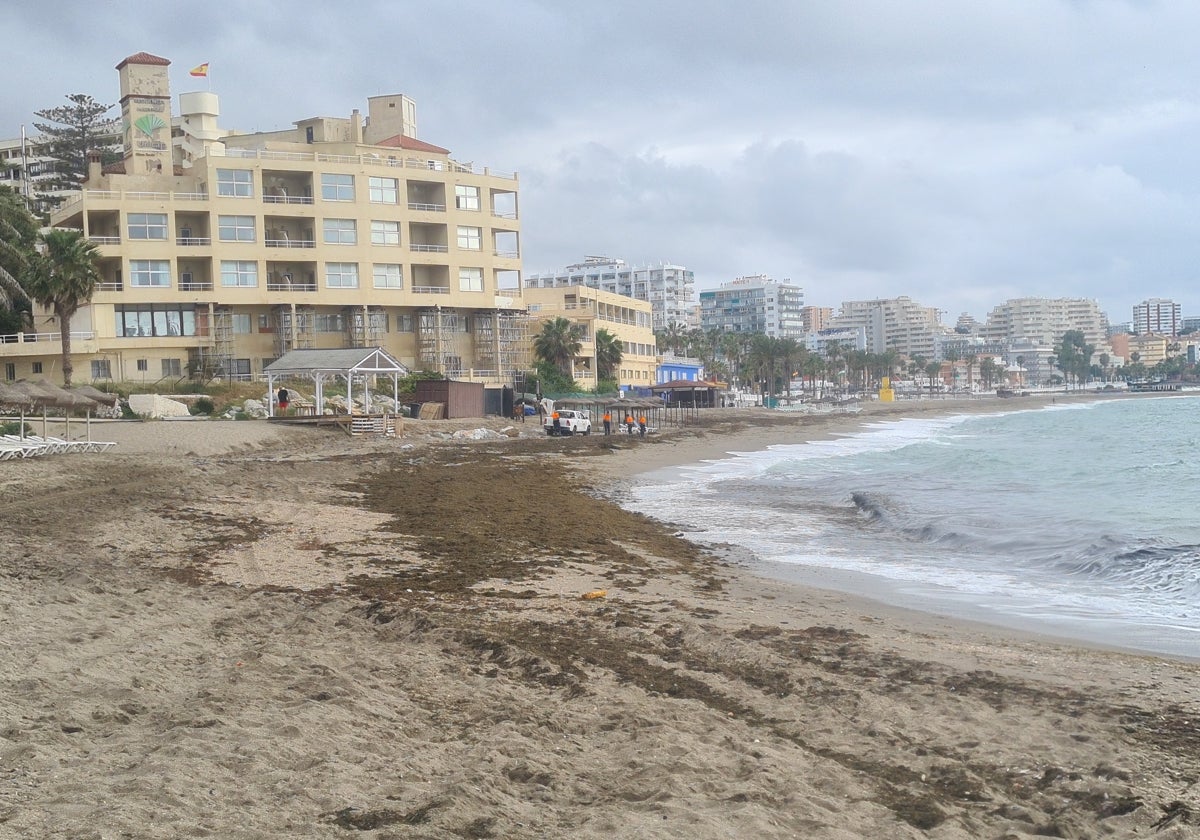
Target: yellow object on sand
<point>594,594</point>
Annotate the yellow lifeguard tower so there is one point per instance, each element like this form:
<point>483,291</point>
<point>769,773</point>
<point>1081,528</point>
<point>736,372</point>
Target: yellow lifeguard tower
<point>886,394</point>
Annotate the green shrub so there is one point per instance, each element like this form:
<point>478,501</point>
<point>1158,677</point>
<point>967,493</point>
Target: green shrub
<point>12,427</point>
<point>204,405</point>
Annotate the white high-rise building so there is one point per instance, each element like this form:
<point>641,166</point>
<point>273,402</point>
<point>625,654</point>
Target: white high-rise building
<point>1042,321</point>
<point>1157,315</point>
<point>898,325</point>
<point>669,288</point>
<point>755,304</point>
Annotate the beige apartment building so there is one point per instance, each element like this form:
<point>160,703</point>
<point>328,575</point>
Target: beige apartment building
<point>630,320</point>
<point>899,325</point>
<point>222,251</point>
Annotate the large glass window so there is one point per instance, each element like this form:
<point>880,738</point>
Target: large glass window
<point>466,198</point>
<point>341,275</point>
<point>337,187</point>
<point>384,190</point>
<point>235,182</point>
<point>147,225</point>
<point>101,369</point>
<point>239,273</point>
<point>470,279</point>
<point>329,323</point>
<point>150,273</point>
<point>171,367</point>
<point>155,319</point>
<point>340,231</point>
<point>235,228</point>
<point>385,233</point>
<point>387,276</point>
<point>243,324</point>
<point>470,238</point>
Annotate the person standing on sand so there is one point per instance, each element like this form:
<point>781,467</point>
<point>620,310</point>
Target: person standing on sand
<point>629,423</point>
<point>519,411</point>
<point>607,423</point>
<point>642,425</point>
<point>284,398</point>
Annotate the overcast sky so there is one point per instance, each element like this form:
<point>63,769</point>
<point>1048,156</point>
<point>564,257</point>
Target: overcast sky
<point>960,152</point>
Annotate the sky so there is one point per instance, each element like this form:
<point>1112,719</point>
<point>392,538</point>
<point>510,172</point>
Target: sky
<point>959,152</point>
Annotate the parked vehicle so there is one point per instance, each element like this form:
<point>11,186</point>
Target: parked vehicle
<point>570,422</point>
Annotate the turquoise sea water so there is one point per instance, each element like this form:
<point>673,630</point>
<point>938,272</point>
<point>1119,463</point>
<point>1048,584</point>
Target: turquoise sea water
<point>1081,520</point>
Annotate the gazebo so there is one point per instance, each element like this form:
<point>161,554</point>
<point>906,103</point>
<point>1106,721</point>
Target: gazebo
<point>355,365</point>
<point>685,397</point>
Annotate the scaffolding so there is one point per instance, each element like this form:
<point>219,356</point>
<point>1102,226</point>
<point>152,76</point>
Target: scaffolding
<point>216,358</point>
<point>294,328</point>
<point>365,326</point>
<point>502,342</point>
<point>435,340</point>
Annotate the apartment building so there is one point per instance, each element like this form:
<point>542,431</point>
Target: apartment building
<point>629,320</point>
<point>1042,321</point>
<point>222,251</point>
<point>754,304</point>
<point>1159,316</point>
<point>815,318</point>
<point>669,288</point>
<point>898,325</point>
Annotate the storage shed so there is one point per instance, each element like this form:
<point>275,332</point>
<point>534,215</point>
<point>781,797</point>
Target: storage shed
<point>461,399</point>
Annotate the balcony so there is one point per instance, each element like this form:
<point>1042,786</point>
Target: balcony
<point>292,287</point>
<point>193,241</point>
<point>287,199</point>
<point>431,290</point>
<point>422,248</point>
<point>39,344</point>
<point>290,243</point>
<point>430,208</point>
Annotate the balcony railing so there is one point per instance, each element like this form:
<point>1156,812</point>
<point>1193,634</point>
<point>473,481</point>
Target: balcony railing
<point>431,290</point>
<point>291,287</point>
<point>287,199</point>
<point>195,285</point>
<point>291,243</point>
<point>499,215</point>
<point>110,286</point>
<point>24,338</point>
<point>105,240</point>
<point>432,208</point>
<point>512,255</point>
<point>428,249</point>
<point>193,240</point>
<point>375,159</point>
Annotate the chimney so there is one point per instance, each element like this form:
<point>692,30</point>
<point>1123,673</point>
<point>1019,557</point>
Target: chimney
<point>95,164</point>
<point>356,127</point>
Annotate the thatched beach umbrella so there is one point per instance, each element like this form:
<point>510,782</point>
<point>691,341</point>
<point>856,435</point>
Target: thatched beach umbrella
<point>16,398</point>
<point>95,397</point>
<point>46,393</point>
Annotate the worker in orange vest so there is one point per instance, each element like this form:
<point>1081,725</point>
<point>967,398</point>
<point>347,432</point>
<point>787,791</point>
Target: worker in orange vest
<point>556,423</point>
<point>629,423</point>
<point>642,425</point>
<point>607,423</point>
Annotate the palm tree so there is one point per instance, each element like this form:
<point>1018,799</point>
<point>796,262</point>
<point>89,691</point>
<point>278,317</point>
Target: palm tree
<point>62,277</point>
<point>608,354</point>
<point>559,343</point>
<point>672,338</point>
<point>791,354</point>
<point>18,233</point>
<point>932,369</point>
<point>971,359</point>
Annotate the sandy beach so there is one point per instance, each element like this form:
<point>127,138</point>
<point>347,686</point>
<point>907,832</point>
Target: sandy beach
<point>251,630</point>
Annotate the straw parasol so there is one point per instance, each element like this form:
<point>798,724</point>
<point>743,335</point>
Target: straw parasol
<point>15,397</point>
<point>46,393</point>
<point>96,397</point>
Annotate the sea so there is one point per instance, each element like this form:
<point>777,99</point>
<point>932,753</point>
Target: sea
<point>1079,520</point>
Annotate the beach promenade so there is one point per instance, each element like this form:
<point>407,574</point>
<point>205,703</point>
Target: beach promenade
<point>247,630</point>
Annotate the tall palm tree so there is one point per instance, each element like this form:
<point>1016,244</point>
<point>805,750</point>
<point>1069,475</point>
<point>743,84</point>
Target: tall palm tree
<point>608,354</point>
<point>559,343</point>
<point>18,233</point>
<point>62,277</point>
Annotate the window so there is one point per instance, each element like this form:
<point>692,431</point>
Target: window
<point>330,323</point>
<point>235,183</point>
<point>387,276</point>
<point>241,369</point>
<point>341,275</point>
<point>239,273</point>
<point>470,238</point>
<point>470,279</point>
<point>171,367</point>
<point>404,323</point>
<point>337,187</point>
<point>37,367</point>
<point>385,233</point>
<point>150,273</point>
<point>147,225</point>
<point>241,323</point>
<point>149,319</point>
<point>340,231</point>
<point>101,369</point>
<point>235,228</point>
<point>143,365</point>
<point>384,190</point>
<point>466,198</point>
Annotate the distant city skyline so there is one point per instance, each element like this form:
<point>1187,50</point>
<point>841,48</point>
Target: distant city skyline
<point>963,156</point>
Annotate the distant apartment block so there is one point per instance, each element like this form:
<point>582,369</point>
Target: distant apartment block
<point>1157,315</point>
<point>222,251</point>
<point>816,318</point>
<point>846,338</point>
<point>669,288</point>
<point>897,325</point>
<point>1042,321</point>
<point>754,304</point>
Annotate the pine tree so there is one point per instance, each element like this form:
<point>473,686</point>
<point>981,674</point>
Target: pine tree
<point>72,132</point>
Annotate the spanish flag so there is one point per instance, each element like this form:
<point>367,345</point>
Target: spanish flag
<point>200,70</point>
